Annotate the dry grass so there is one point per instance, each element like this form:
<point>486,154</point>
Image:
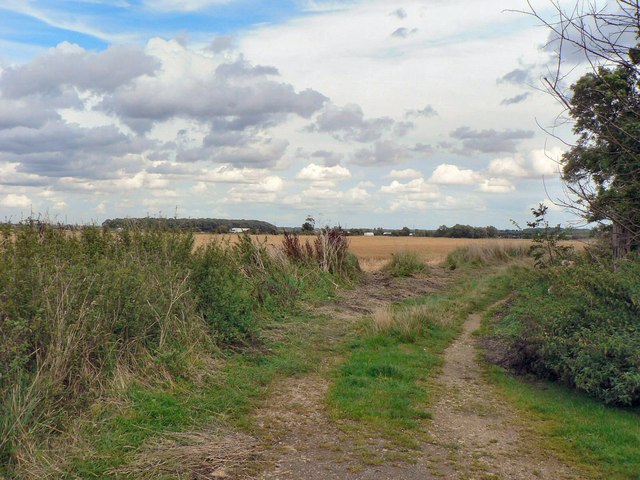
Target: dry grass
<point>409,322</point>
<point>375,252</point>
<point>406,323</point>
<point>193,455</point>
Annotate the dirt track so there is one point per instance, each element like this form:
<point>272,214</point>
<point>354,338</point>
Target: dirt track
<point>473,434</point>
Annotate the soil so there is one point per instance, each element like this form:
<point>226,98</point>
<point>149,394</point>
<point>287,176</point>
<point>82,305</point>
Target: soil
<point>473,434</point>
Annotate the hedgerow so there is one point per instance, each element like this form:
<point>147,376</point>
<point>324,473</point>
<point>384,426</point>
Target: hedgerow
<point>80,309</point>
<point>579,324</point>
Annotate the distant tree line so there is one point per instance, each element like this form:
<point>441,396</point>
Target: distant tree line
<point>468,231</point>
<point>209,225</point>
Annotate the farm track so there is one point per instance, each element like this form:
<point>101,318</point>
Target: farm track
<point>473,433</point>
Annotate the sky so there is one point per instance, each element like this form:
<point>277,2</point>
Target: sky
<point>362,113</point>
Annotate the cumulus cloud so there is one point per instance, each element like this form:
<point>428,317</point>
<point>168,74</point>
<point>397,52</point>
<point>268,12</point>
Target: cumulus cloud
<point>30,113</point>
<point>69,65</point>
<point>221,43</point>
<point>329,159</point>
<point>404,174</point>
<point>490,141</point>
<point>257,153</point>
<point>536,164</point>
<point>496,185</point>
<point>66,112</point>
<point>446,174</point>
<point>417,190</point>
<point>267,190</point>
<point>232,94</point>
<point>382,153</point>
<point>317,173</point>
<point>58,149</point>
<point>230,174</point>
<point>242,68</point>
<point>348,124</point>
<point>510,167</point>
<point>546,162</point>
<point>324,195</point>
<point>13,200</point>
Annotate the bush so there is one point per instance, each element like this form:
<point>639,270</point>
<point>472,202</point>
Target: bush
<point>579,324</point>
<point>404,264</point>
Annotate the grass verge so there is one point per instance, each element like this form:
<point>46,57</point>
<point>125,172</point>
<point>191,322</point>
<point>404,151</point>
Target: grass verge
<point>602,440</point>
<point>123,432</point>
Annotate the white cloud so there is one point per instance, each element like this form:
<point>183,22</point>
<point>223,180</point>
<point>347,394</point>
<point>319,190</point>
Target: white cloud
<point>230,174</point>
<point>546,162</point>
<point>404,174</point>
<point>318,173</point>
<point>414,186</point>
<point>13,200</point>
<point>199,187</point>
<point>496,185</point>
<point>508,167</point>
<point>536,164</point>
<point>446,174</point>
<point>266,190</point>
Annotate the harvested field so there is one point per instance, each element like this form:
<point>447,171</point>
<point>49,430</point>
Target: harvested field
<point>374,252</point>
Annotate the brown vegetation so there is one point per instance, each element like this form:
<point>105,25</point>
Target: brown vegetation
<point>374,252</point>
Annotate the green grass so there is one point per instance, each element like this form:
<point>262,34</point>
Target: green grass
<point>405,263</point>
<point>379,384</point>
<point>603,440</point>
<point>118,430</point>
<point>385,380</point>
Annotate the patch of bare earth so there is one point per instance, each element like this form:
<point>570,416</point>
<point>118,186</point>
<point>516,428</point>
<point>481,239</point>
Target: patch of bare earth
<point>473,434</point>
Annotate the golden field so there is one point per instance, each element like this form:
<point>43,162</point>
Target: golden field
<point>374,252</point>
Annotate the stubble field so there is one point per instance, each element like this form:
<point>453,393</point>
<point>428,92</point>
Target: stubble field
<point>374,252</point>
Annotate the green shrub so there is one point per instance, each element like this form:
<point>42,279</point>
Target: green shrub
<point>224,295</point>
<point>579,324</point>
<point>404,264</point>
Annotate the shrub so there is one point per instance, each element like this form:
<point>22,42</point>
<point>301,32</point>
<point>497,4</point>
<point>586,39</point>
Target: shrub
<point>404,264</point>
<point>579,325</point>
<point>223,295</point>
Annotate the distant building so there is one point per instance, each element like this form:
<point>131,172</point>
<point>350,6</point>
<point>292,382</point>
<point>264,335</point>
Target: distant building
<point>386,233</point>
<point>239,230</point>
<point>368,234</point>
